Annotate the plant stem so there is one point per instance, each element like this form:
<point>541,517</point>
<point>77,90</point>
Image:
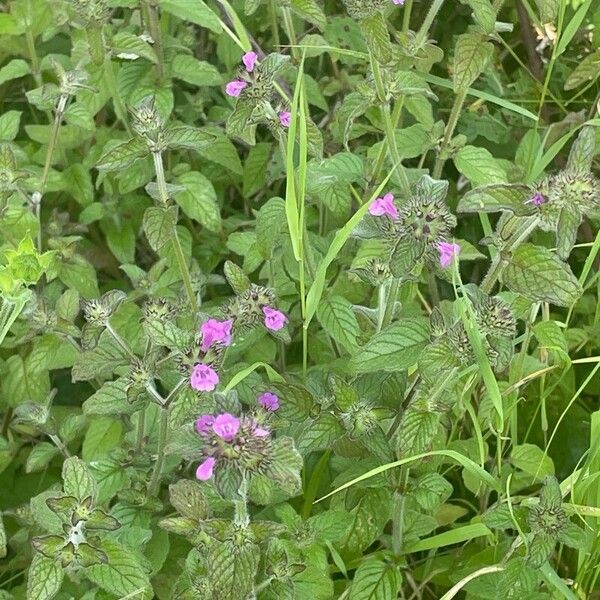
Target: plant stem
<point>459,100</point>
<point>160,452</point>
<point>111,82</point>
<point>381,306</point>
<point>121,342</point>
<point>179,255</point>
<point>431,14</point>
<point>140,429</point>
<point>399,504</point>
<point>154,26</point>
<point>388,125</point>
<point>390,303</point>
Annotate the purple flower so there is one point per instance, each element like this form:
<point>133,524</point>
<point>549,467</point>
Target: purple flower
<point>235,88</point>
<point>399,2</point>
<point>216,331</point>
<point>384,206</point>
<point>285,118</point>
<point>537,199</point>
<point>447,252</point>
<point>204,424</point>
<point>269,401</point>
<point>274,319</point>
<point>205,470</point>
<point>226,426</point>
<point>204,378</point>
<point>249,59</point>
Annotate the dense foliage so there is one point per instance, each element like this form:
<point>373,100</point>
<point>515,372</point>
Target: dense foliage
<point>299,299</point>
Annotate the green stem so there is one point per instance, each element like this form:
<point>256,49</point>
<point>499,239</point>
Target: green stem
<point>154,26</point>
<point>179,255</point>
<point>390,303</point>
<point>140,429</point>
<point>160,452</point>
<point>459,100</point>
<point>121,342</point>
<point>274,26</point>
<point>111,82</point>
<point>399,505</point>
<point>388,124</point>
<point>406,16</point>
<point>288,25</point>
<point>424,30</point>
<point>381,306</point>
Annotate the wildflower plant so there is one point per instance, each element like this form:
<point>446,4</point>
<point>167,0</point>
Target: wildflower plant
<point>299,300</point>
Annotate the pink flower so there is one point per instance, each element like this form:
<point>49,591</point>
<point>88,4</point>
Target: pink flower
<point>204,423</point>
<point>269,401</point>
<point>216,331</point>
<point>226,426</point>
<point>235,88</point>
<point>204,378</point>
<point>205,470</point>
<point>448,252</point>
<point>274,319</point>
<point>384,206</point>
<point>399,2</point>
<point>285,118</point>
<point>537,199</point>
<point>260,432</point>
<point>249,59</point>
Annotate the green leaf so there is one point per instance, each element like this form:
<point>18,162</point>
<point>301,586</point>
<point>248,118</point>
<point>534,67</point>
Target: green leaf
<point>199,200</point>
<point>369,518</point>
<point>583,151</point>
<point>375,579</point>
<point>498,197</point>
<point>548,10</point>
<point>483,14</point>
<point>471,55</point>
<point>236,278</point>
<point>256,168</point>
<point>539,275</point>
<point>339,321</point>
<point>479,166</point>
<point>585,72</point>
<point>196,12</point>
<point>395,348</point>
<point>123,575</point>
<point>39,457</point>
<point>77,479</point>
<point>44,579</point>
<point>159,225</point>
<point>232,568</point>
<point>416,432</point>
<point>375,32</point>
<point>194,71</point>
<point>121,155</point>
<point>569,220</point>
<point>13,70</point>
<point>80,275</point>
<point>311,11</point>
<point>110,399</point>
<point>532,460</point>
<point>9,125</point>
<point>188,499</point>
<point>133,46</point>
<point>183,137</point>
<point>103,435</point>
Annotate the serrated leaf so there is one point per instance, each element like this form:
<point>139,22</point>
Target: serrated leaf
<point>188,499</point>
<point>9,125</point>
<point>540,275</point>
<point>194,71</point>
<point>120,156</point>
<point>583,151</point>
<point>471,55</point>
<point>319,434</point>
<point>256,168</point>
<point>497,197</point>
<point>416,432</point>
<point>159,225</point>
<point>132,46</point>
<point>548,10</point>
<point>39,457</point>
<point>479,166</point>
<point>569,220</point>
<point>123,575</point>
<point>44,578</point>
<point>236,278</point>
<point>369,517</point>
<point>339,321</point>
<point>375,579</point>
<point>196,12</point>
<point>232,568</point>
<point>110,399</point>
<point>182,137</point>
<point>103,435</point>
<point>375,33</point>
<point>199,200</point>
<point>77,479</point>
<point>532,460</point>
<point>483,14</point>
<point>395,348</point>
<point>585,72</point>
<point>311,11</point>
<point>13,70</point>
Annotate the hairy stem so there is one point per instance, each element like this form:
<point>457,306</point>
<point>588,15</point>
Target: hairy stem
<point>428,22</point>
<point>179,255</point>
<point>160,452</point>
<point>459,100</point>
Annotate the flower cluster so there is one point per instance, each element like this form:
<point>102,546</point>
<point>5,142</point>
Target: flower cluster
<point>228,439</point>
<point>217,334</point>
<point>235,87</point>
